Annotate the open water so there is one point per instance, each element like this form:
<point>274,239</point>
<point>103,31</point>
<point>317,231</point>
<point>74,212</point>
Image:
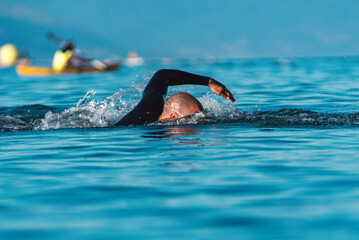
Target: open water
<point>280,163</point>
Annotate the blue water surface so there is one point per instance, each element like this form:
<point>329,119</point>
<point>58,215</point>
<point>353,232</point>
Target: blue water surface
<point>281,163</point>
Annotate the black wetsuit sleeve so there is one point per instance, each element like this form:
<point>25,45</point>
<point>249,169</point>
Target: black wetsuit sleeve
<point>151,105</point>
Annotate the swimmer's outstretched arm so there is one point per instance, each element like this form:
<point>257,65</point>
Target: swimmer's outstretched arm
<point>151,105</point>
<point>166,77</point>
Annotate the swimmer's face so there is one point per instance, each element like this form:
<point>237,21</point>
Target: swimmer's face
<point>170,112</point>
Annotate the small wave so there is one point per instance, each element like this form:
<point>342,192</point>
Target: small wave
<point>9,123</point>
<point>21,118</point>
<point>297,118</point>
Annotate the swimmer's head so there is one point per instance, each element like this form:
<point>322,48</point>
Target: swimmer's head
<point>179,105</point>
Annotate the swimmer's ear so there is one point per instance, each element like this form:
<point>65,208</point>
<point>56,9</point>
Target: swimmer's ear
<point>174,115</point>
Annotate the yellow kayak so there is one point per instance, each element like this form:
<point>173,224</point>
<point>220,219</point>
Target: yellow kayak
<point>28,70</point>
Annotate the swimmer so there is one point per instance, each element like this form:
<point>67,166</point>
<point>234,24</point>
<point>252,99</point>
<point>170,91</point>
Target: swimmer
<point>153,107</point>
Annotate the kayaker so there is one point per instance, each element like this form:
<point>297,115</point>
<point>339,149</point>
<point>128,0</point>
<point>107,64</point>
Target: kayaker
<point>153,106</point>
<point>66,58</point>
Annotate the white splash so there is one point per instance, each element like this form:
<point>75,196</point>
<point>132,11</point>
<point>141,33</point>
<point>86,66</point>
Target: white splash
<point>88,113</point>
<point>221,110</point>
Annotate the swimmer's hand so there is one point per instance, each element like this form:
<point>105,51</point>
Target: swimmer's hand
<point>221,90</point>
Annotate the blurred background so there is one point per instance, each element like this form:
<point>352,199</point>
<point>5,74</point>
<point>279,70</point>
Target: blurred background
<point>184,29</point>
